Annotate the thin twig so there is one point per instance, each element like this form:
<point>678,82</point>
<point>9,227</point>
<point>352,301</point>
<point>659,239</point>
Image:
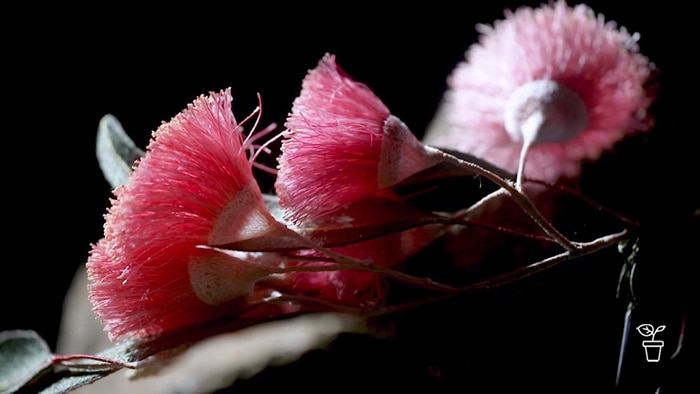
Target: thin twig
<point>517,195</point>
<point>515,275</point>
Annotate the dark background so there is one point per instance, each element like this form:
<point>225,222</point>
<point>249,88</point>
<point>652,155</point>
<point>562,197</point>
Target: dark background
<point>66,68</point>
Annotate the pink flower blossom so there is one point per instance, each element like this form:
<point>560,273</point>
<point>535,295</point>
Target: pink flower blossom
<point>193,187</point>
<point>342,145</point>
<point>557,85</point>
<point>335,151</point>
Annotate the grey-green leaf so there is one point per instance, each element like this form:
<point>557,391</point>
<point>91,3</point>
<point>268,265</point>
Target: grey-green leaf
<point>24,356</point>
<point>116,152</point>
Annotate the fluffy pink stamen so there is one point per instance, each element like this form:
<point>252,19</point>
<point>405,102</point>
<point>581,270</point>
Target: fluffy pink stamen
<point>332,146</point>
<point>193,187</point>
<point>571,46</point>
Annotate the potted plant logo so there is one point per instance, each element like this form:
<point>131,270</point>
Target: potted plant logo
<point>652,348</point>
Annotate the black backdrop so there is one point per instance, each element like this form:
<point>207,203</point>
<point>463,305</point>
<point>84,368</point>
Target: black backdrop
<point>65,68</point>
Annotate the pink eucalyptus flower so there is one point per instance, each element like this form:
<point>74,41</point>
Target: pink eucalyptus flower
<point>335,149</point>
<point>342,145</point>
<point>555,85</point>
<point>193,187</point>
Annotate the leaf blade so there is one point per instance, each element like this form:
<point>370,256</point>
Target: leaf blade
<point>116,152</point>
<point>24,357</point>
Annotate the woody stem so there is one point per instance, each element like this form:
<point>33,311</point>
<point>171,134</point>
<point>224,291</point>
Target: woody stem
<point>518,197</point>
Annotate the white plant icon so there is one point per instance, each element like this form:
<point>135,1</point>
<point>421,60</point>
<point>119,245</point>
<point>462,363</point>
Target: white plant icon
<point>652,347</point>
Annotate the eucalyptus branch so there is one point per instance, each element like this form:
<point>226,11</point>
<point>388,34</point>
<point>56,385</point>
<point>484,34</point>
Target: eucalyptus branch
<point>518,274</point>
<point>517,195</point>
<point>468,212</point>
<point>348,262</point>
<point>582,249</point>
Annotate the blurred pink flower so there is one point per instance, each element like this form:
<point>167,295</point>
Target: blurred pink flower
<point>193,187</point>
<point>558,83</point>
<point>335,151</point>
<point>357,289</point>
<point>362,289</point>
